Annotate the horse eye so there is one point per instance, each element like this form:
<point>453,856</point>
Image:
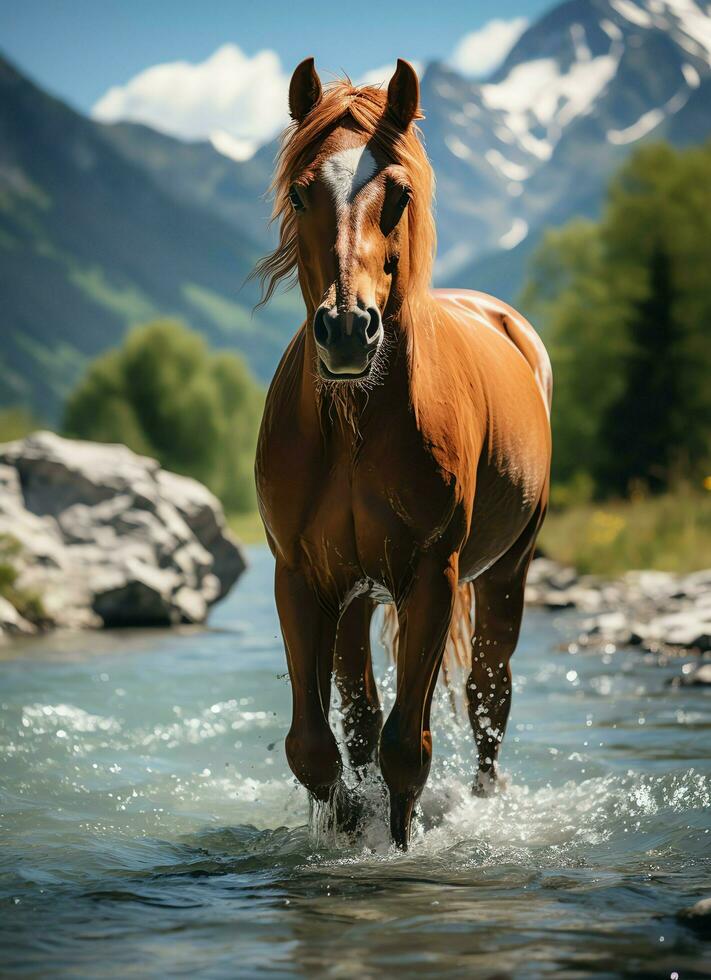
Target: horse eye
<point>295,198</point>
<point>403,200</point>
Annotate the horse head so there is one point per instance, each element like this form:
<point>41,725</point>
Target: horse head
<point>353,192</point>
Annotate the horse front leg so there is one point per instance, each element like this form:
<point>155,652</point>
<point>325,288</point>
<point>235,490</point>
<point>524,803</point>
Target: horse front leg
<point>353,669</point>
<point>406,742</point>
<point>309,631</point>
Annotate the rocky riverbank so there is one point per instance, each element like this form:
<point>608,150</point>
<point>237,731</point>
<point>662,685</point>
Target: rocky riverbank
<point>656,611</point>
<point>96,535</point>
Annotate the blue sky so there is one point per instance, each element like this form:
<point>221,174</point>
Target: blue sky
<point>78,49</point>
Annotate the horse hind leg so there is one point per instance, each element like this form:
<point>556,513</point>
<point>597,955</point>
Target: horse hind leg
<point>499,601</point>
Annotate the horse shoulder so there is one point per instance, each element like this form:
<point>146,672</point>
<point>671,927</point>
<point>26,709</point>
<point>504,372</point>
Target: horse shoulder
<point>488,311</point>
<point>288,440</point>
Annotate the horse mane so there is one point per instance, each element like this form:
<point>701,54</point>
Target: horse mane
<point>366,106</point>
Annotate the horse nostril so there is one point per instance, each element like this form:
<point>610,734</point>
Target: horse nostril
<point>322,331</point>
<point>372,328</point>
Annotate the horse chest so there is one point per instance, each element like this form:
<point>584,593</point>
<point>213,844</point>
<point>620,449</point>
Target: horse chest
<point>361,525</point>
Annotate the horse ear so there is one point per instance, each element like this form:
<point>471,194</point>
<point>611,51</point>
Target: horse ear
<point>404,93</point>
<point>304,90</point>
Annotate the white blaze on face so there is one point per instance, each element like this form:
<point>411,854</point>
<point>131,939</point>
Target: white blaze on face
<point>347,171</point>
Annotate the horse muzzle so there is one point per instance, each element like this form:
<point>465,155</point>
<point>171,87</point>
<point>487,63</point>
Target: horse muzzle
<point>347,342</point>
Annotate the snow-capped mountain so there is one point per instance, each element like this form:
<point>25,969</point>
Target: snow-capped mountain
<point>107,225</point>
<point>537,141</point>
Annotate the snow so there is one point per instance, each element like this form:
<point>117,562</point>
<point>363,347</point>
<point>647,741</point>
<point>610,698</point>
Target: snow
<point>538,99</point>
<point>612,30</point>
<point>677,102</point>
<point>693,21</point>
<point>538,89</point>
<point>517,93</point>
<point>650,120</point>
<point>514,171</point>
<point>583,84</point>
<point>456,147</point>
<point>633,13</point>
<point>504,134</point>
<point>645,124</point>
<point>542,149</point>
<point>691,75</point>
<point>580,42</point>
<point>516,233</point>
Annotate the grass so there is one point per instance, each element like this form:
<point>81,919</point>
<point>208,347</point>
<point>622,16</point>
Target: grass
<point>27,603</point>
<point>671,532</point>
<point>247,527</point>
<point>17,422</point>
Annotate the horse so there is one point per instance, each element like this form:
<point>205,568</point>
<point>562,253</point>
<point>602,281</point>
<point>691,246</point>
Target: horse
<point>403,455</point>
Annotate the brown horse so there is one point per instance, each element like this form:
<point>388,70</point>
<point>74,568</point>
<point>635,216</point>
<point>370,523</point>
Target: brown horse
<point>404,451</point>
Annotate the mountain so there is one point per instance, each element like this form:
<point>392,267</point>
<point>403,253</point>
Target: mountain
<point>102,226</point>
<point>198,174</point>
<point>92,241</point>
<point>580,89</point>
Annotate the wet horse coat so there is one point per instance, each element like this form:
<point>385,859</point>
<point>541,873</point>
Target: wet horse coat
<point>404,450</point>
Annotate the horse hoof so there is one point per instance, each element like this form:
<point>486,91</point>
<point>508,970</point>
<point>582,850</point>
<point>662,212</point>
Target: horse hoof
<point>486,785</point>
<point>348,811</point>
<point>401,808</point>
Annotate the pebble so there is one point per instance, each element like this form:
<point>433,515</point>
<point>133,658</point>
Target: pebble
<point>658,611</point>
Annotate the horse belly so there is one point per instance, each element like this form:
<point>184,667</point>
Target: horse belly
<point>505,500</point>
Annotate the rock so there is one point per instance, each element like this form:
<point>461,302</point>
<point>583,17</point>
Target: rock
<point>557,599</point>
<point>698,916</point>
<point>12,623</point>
<point>689,628</point>
<point>696,677</point>
<point>698,584</point>
<point>612,627</point>
<point>656,610</point>
<point>109,538</point>
<point>551,574</point>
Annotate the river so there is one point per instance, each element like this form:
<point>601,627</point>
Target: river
<point>150,827</point>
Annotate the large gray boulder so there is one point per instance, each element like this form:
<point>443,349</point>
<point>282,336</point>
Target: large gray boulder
<point>108,538</point>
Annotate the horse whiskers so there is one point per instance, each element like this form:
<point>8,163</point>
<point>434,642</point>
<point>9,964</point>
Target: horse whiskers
<point>348,398</point>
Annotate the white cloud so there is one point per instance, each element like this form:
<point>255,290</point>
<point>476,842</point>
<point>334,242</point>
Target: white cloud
<point>480,52</point>
<point>236,101</point>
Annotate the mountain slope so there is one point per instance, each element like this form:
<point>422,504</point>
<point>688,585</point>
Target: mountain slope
<point>580,88</point>
<point>105,226</point>
<point>90,243</point>
<point>233,191</point>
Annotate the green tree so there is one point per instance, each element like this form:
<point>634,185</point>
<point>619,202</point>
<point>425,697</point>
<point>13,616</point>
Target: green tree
<point>568,295</point>
<point>642,431</point>
<point>625,307</point>
<point>164,394</point>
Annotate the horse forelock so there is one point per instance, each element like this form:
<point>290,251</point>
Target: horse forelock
<point>365,108</point>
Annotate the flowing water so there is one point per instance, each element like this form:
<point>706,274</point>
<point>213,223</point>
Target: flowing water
<point>150,826</point>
